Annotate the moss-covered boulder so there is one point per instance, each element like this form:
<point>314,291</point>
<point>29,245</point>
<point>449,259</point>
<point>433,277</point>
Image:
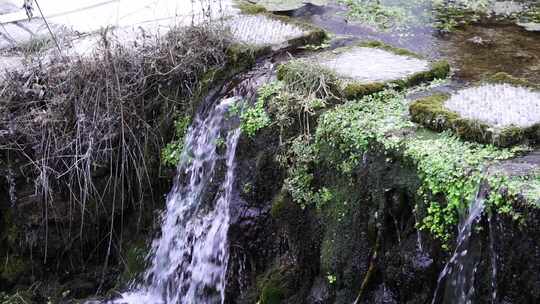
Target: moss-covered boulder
<point>369,67</point>
<point>502,111</point>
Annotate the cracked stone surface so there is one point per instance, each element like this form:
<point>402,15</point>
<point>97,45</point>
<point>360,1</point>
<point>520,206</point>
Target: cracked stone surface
<point>499,105</point>
<point>366,65</point>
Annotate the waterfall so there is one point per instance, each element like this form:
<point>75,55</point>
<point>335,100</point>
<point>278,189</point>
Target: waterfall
<point>188,261</point>
<point>460,271</point>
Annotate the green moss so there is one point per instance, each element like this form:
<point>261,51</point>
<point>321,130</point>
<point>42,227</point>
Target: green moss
<point>134,262</point>
<point>383,46</point>
<point>272,295</point>
<point>12,268</point>
<point>249,8</point>
<point>430,112</point>
<point>353,90</point>
<point>275,285</point>
<point>502,77</point>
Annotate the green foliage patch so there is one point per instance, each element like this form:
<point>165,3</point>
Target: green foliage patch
<point>170,154</point>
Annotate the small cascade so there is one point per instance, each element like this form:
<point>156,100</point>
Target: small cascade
<point>189,259</point>
<point>493,255</point>
<point>459,273</point>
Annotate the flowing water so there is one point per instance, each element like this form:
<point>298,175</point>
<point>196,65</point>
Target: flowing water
<point>459,273</point>
<point>189,259</point>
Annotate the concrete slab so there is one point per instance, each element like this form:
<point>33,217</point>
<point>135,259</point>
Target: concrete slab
<point>498,105</point>
<point>367,65</point>
<point>262,30</point>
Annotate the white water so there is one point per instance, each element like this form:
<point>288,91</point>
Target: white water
<point>460,271</point>
<point>189,259</point>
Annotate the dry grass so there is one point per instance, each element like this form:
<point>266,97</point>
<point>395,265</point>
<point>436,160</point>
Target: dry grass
<point>88,130</point>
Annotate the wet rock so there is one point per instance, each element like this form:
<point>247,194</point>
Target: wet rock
<point>479,41</point>
<point>530,26</point>
<point>287,5</point>
<point>319,293</point>
<point>523,56</point>
<point>506,8</point>
<point>383,295</point>
<point>499,105</point>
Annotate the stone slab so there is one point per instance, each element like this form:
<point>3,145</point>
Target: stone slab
<point>262,30</point>
<point>498,105</point>
<point>367,65</point>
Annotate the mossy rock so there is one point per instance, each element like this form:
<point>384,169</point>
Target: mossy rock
<point>432,113</point>
<point>503,78</point>
<point>249,8</point>
<point>276,284</point>
<point>353,89</point>
<point>13,268</point>
<point>134,257</point>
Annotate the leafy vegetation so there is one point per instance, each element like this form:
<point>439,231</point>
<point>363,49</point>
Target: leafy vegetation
<point>255,117</point>
<point>375,13</point>
<point>450,169</point>
<point>170,154</point>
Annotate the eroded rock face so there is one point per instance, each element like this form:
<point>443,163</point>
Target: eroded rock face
<point>365,65</point>
<point>324,256</point>
<point>499,105</point>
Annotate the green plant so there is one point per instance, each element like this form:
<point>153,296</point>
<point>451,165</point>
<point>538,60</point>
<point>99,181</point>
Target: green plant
<point>16,298</point>
<point>449,168</point>
<point>170,154</point>
<point>331,278</point>
<point>375,13</point>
